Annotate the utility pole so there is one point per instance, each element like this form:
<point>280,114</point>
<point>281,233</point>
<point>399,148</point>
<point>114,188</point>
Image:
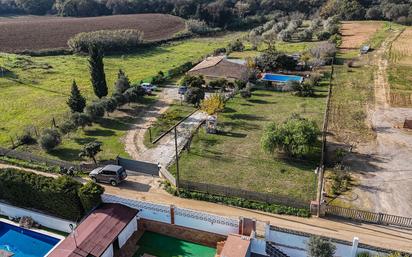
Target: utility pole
<point>177,161</point>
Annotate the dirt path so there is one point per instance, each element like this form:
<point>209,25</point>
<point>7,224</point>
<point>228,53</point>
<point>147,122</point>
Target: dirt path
<point>134,138</point>
<point>46,174</point>
<point>383,167</point>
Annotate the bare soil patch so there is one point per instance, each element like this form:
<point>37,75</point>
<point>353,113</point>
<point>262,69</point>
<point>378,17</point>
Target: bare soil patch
<point>354,34</point>
<point>50,32</point>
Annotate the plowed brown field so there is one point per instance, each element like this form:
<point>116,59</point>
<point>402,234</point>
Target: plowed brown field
<point>354,33</point>
<point>50,32</point>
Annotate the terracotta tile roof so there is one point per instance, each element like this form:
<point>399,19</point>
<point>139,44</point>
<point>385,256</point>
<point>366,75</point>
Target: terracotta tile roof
<point>96,232</point>
<point>220,69</point>
<point>208,62</point>
<point>236,246</point>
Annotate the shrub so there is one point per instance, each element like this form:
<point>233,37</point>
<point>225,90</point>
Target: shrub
<point>29,190</point>
<point>120,98</point>
<point>180,70</point>
<point>67,126</point>
<point>159,78</point>
<point>122,83</point>
<point>134,94</point>
<point>213,104</point>
<point>95,110</point>
<point>199,27</point>
<point>296,136</point>
<point>89,195</point>
<point>336,39</point>
<point>218,83</point>
<point>285,35</point>
<point>76,101</point>
<point>246,93</point>
<point>323,35</point>
<point>110,104</point>
<point>305,35</point>
<point>194,95</point>
<point>192,81</point>
<point>319,247</point>
<point>50,139</point>
<point>219,51</point>
<point>236,46</point>
<point>107,40</point>
<point>81,120</point>
<point>240,84</point>
<point>240,202</point>
<point>304,89</point>
<point>26,138</point>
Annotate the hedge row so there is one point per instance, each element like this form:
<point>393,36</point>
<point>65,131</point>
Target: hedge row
<point>107,40</point>
<point>62,196</point>
<point>239,202</point>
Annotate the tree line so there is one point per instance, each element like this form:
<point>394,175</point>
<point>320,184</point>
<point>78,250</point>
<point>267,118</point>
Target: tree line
<point>219,13</point>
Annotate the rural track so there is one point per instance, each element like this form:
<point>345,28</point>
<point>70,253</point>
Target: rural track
<point>382,166</point>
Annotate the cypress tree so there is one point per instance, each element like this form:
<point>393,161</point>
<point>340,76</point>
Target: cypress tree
<point>76,101</point>
<point>96,67</point>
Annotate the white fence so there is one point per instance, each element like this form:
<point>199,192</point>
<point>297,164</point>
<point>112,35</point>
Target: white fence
<point>182,217</point>
<point>295,244</point>
<point>42,219</point>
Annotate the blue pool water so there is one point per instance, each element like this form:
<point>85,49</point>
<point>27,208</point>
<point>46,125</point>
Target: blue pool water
<point>281,78</point>
<point>23,242</point>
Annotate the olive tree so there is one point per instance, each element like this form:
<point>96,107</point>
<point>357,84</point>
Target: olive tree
<point>296,136</point>
<point>319,247</point>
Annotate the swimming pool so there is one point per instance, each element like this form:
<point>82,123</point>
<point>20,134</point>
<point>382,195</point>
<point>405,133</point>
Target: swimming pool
<point>281,77</point>
<point>166,246</point>
<point>24,243</point>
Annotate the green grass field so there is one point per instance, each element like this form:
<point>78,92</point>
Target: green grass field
<point>234,157</point>
<point>33,90</point>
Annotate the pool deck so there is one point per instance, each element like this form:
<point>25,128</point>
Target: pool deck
<point>37,230</point>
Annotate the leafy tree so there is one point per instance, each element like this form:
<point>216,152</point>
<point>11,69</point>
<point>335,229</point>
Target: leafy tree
<point>194,95</point>
<point>76,101</point>
<point>90,195</point>
<point>67,127</point>
<point>213,104</point>
<point>37,7</point>
<point>96,67</point>
<point>218,83</point>
<point>296,136</point>
<point>50,139</point>
<point>95,110</point>
<point>122,83</point>
<point>192,81</point>
<point>134,94</point>
<point>271,60</point>
<point>79,8</point>
<point>246,93</point>
<point>236,46</point>
<point>319,247</point>
<point>304,89</point>
<point>110,105</point>
<point>81,120</point>
<point>90,150</point>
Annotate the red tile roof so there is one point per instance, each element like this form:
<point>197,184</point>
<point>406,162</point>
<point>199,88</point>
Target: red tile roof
<point>96,232</point>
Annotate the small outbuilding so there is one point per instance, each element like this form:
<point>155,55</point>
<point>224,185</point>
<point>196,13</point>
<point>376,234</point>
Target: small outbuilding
<point>101,234</point>
<point>220,67</point>
<point>407,124</point>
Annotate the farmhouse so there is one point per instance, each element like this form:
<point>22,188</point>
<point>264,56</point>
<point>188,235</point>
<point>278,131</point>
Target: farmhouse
<point>220,67</point>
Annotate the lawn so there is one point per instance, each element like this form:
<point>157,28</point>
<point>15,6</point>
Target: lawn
<point>234,157</point>
<point>33,90</point>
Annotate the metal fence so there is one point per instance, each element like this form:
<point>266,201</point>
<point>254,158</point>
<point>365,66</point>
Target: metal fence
<point>367,216</point>
<point>273,251</point>
<point>249,195</point>
<point>139,166</point>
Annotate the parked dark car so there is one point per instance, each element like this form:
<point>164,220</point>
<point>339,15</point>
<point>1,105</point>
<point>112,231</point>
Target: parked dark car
<point>112,174</point>
<point>182,90</point>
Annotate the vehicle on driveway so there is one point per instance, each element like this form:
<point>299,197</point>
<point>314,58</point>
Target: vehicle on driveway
<point>148,87</point>
<point>182,90</point>
<point>112,174</point>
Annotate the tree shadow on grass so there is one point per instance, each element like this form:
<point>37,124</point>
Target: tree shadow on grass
<point>229,110</point>
<point>66,154</point>
<point>262,94</point>
<point>99,132</point>
<point>114,124</point>
<point>84,140</point>
<point>231,134</point>
<point>242,125</point>
<point>241,116</point>
<point>260,101</point>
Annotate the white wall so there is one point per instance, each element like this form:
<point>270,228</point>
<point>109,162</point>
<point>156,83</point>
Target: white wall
<point>108,252</point>
<point>42,219</point>
<point>258,246</point>
<point>183,217</point>
<point>205,221</point>
<point>298,245</point>
<point>127,232</point>
<point>147,210</point>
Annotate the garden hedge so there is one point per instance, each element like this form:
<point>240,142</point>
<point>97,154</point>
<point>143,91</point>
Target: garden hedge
<point>56,196</point>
